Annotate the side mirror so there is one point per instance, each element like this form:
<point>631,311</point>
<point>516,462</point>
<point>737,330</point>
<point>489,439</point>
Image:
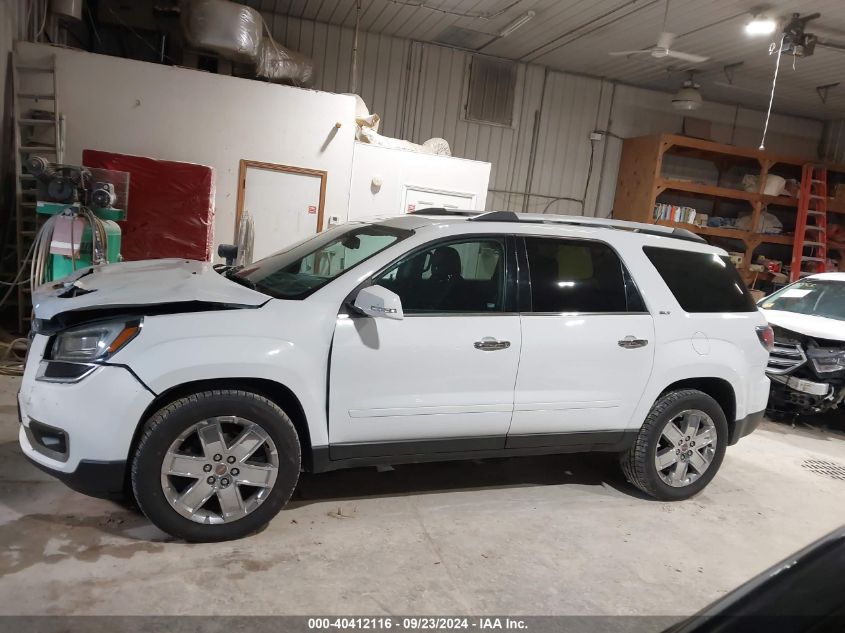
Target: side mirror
<point>378,301</point>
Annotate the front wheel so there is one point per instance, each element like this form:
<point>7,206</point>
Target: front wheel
<point>216,465</point>
<point>680,446</point>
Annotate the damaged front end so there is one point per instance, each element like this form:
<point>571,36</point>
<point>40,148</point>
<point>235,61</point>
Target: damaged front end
<point>807,374</point>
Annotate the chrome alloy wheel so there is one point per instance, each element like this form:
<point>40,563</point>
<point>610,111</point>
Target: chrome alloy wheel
<point>219,470</point>
<point>686,448</point>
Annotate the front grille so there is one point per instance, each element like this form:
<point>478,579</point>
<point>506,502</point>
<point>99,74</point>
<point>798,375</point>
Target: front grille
<point>785,358</point>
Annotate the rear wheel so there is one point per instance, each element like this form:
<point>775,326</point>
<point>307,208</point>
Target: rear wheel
<point>680,446</point>
<point>216,465</point>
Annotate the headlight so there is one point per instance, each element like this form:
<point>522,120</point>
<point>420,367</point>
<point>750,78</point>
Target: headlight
<point>827,360</point>
<point>93,342</point>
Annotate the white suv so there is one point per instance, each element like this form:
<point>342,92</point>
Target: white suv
<point>205,390</point>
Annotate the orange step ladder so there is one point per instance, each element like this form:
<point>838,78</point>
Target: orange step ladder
<point>809,254</point>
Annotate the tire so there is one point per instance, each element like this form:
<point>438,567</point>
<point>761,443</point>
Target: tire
<point>255,435</point>
<point>681,408</point>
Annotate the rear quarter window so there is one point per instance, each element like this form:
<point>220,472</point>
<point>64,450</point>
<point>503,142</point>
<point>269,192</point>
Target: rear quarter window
<point>701,282</point>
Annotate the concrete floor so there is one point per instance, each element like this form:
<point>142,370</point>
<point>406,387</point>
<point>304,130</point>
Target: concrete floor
<point>549,535</point>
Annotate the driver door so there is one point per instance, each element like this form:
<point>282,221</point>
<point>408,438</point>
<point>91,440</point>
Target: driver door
<point>442,378</point>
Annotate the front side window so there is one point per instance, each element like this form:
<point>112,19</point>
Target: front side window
<point>701,282</point>
<point>578,276</point>
<point>818,297</point>
<point>307,266</point>
<point>456,277</point>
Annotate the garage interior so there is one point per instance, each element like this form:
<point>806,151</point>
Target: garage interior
<point>204,123</point>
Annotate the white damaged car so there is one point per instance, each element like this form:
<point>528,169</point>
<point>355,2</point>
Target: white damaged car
<point>807,365</point>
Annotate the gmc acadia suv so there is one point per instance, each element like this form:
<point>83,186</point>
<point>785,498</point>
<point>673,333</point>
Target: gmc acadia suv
<point>204,390</point>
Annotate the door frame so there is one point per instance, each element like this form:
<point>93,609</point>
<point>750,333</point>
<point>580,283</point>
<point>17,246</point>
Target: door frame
<point>288,169</point>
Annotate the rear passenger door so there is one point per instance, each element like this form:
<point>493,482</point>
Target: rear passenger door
<point>587,345</point>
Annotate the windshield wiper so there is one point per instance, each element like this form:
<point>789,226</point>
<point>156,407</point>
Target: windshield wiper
<point>243,281</point>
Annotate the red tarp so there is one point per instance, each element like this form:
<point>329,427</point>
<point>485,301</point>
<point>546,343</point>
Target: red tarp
<point>171,206</point>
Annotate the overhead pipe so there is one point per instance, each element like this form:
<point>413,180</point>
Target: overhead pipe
<point>354,81</point>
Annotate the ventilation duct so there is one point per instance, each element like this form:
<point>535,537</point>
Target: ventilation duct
<point>238,33</point>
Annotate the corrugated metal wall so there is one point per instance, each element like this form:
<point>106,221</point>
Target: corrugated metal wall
<point>833,144</point>
<point>418,90</point>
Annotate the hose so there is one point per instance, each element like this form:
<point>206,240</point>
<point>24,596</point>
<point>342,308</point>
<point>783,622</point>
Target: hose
<point>40,273</point>
<point>13,358</point>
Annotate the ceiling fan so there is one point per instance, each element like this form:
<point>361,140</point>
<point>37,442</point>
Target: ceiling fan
<point>663,48</point>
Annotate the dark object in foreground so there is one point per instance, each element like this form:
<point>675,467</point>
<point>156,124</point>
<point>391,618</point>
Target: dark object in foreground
<point>803,593</point>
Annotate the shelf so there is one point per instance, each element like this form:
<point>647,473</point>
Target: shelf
<point>727,192</point>
<point>675,143</point>
<point>708,190</point>
<point>784,201</point>
<point>642,183</point>
<point>731,234</point>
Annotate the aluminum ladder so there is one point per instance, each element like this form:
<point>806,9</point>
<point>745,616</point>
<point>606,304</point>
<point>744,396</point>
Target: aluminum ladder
<point>36,132</point>
<point>809,253</point>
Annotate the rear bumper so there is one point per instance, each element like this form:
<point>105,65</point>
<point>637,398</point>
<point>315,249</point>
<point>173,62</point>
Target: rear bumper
<point>95,479</point>
<point>744,426</point>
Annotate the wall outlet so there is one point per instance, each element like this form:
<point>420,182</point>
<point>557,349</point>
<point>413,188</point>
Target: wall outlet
<point>596,136</point>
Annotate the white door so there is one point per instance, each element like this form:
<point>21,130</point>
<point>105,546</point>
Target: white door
<point>446,370</point>
<point>284,207</point>
<point>417,198</point>
<point>588,342</point>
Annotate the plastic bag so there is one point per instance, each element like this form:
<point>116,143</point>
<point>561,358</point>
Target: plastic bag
<point>232,30</point>
<point>171,209</point>
<point>280,64</point>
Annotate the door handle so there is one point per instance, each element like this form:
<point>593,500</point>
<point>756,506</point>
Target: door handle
<point>488,344</point>
<point>632,342</point>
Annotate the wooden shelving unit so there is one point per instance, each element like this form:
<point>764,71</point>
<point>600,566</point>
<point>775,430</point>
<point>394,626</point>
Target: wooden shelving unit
<point>643,181</point>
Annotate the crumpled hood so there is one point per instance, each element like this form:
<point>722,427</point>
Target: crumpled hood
<point>142,283</point>
<point>807,324</point>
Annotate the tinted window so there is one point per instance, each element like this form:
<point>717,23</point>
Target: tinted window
<point>465,276</point>
<point>309,265</point>
<point>577,276</point>
<point>701,282</point>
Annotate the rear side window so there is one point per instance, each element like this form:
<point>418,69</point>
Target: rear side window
<point>578,276</point>
<point>701,282</point>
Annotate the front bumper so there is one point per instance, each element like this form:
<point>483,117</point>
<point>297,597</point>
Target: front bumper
<point>105,480</point>
<point>95,420</point>
<point>805,386</point>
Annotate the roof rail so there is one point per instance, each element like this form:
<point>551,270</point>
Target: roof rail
<point>580,220</point>
<point>572,220</point>
<point>442,211</point>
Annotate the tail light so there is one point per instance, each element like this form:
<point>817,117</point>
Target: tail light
<point>767,337</point>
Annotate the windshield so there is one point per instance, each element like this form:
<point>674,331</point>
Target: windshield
<point>817,297</point>
<point>307,266</point>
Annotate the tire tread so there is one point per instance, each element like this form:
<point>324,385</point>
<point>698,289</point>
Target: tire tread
<point>634,460</point>
<point>196,399</point>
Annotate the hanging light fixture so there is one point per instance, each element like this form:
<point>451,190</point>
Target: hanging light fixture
<point>688,97</point>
